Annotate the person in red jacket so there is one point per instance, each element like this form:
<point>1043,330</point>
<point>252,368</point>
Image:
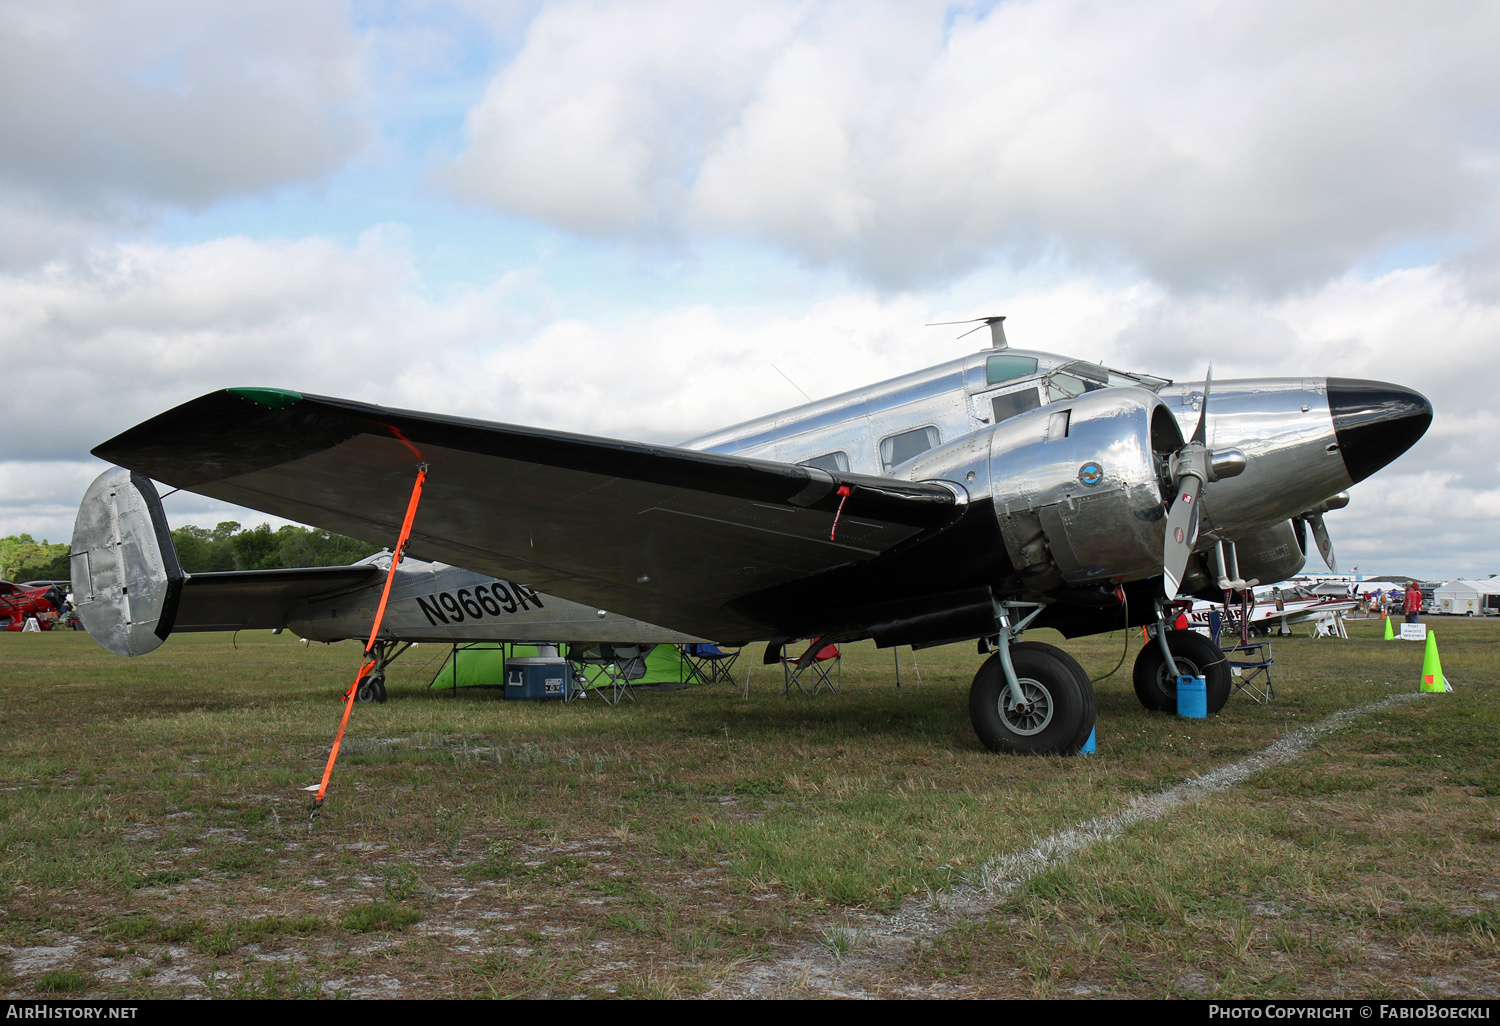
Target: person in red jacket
<point>1413,602</point>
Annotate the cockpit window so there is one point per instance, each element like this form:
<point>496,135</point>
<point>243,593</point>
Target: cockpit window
<point>1013,404</point>
<point>1003,368</point>
<point>1073,379</point>
<point>1091,372</point>
<point>1065,386</point>
<point>837,462</point>
<point>900,448</point>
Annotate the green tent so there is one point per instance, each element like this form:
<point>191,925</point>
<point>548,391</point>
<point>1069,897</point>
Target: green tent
<point>479,664</point>
<point>482,665</point>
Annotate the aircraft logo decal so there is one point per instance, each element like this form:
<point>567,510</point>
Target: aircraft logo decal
<point>1091,473</point>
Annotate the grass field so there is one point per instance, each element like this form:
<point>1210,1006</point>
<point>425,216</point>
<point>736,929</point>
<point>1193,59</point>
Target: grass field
<point>700,842</point>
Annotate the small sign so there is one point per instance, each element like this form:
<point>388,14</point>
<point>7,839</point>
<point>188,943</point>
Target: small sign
<point>1413,632</point>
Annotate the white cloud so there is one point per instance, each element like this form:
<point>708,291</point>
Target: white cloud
<point>1272,142</point>
<point>1080,166</point>
<point>598,120</point>
<point>40,497</point>
<point>111,108</point>
<point>93,349</point>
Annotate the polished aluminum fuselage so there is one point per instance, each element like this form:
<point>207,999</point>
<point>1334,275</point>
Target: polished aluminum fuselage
<point>1283,426</point>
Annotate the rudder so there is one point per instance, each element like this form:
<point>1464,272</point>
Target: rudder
<point>126,578</point>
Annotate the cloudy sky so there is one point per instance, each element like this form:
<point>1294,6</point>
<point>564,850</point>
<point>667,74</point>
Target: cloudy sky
<point>632,218</point>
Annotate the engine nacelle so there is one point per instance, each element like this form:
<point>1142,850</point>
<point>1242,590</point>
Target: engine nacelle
<point>1077,486</point>
<point>1271,555</point>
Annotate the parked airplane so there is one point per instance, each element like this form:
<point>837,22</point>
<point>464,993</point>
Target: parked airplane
<point>19,602</point>
<point>131,593</point>
<point>992,493</point>
<point>1263,617</point>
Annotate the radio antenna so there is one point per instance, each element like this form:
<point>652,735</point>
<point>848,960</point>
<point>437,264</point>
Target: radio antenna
<point>997,329</point>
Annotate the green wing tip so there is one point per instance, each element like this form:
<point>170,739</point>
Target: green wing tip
<point>275,398</point>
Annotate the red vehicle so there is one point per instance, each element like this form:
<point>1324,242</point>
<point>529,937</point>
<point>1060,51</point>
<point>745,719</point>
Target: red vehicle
<point>20,601</point>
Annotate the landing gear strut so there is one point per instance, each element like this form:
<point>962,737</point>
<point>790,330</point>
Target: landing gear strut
<point>372,684</point>
<point>1030,697</point>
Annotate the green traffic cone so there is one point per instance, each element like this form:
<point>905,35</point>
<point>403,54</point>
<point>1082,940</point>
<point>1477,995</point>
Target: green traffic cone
<point>1390,635</point>
<point>1432,668</point>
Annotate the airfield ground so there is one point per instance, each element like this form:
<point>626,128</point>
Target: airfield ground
<point>155,841</point>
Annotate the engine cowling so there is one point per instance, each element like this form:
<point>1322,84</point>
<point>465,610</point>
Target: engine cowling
<point>1271,555</point>
<point>1077,486</point>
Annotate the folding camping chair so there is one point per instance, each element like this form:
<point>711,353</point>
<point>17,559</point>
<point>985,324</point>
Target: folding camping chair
<point>824,664</point>
<point>1254,656</point>
<point>613,667</point>
<point>711,663</point>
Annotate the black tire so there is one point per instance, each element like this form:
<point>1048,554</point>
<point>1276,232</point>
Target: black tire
<point>1060,719</point>
<point>371,688</point>
<point>1157,688</point>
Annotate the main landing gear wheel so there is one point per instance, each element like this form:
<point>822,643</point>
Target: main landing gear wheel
<point>1196,655</point>
<point>1056,715</point>
<point>371,688</point>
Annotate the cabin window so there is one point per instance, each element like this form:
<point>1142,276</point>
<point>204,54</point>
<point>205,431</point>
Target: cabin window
<point>1013,404</point>
<point>998,369</point>
<point>900,448</point>
<point>836,462</point>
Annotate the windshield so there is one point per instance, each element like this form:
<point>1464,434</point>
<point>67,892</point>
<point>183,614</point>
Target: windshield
<point>1073,379</point>
<point>1151,381</point>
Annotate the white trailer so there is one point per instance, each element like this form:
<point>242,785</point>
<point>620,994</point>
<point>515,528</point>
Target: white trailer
<point>1468,598</point>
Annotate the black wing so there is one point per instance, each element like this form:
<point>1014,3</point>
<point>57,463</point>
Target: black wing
<point>671,536</point>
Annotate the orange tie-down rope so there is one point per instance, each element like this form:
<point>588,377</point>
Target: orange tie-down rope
<point>368,663</point>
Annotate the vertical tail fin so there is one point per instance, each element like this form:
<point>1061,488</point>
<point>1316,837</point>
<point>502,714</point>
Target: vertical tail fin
<point>126,578</point>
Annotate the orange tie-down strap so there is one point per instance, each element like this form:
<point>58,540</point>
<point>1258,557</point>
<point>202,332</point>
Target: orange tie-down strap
<point>368,663</point>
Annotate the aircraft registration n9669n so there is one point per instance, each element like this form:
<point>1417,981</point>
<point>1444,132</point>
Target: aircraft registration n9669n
<point>1000,491</point>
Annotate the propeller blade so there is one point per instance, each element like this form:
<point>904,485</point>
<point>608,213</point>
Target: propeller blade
<point>1190,469</point>
<point>1200,433</point>
<point>1182,533</point>
<point>1299,528</point>
<point>1324,540</point>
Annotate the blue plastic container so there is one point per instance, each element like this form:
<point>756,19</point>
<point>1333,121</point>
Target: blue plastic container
<point>537,679</point>
<point>1192,697</point>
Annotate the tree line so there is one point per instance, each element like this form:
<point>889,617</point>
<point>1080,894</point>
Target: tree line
<point>199,550</point>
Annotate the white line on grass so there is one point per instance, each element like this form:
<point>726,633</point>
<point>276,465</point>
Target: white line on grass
<point>888,940</point>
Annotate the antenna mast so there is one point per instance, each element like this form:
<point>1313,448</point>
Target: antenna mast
<point>997,329</point>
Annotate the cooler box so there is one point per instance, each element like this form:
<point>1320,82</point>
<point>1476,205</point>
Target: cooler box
<point>537,679</point>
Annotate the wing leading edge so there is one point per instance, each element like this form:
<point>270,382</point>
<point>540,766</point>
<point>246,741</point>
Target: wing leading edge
<point>667,535</point>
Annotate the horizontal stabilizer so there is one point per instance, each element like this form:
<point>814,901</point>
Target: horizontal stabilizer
<point>244,599</point>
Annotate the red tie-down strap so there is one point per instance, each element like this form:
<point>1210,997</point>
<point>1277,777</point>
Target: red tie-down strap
<point>367,663</point>
<point>843,498</point>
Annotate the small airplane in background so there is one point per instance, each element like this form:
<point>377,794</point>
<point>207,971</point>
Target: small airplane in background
<point>1000,491</point>
<point>133,594</point>
<point>1297,608</point>
<point>21,602</point>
